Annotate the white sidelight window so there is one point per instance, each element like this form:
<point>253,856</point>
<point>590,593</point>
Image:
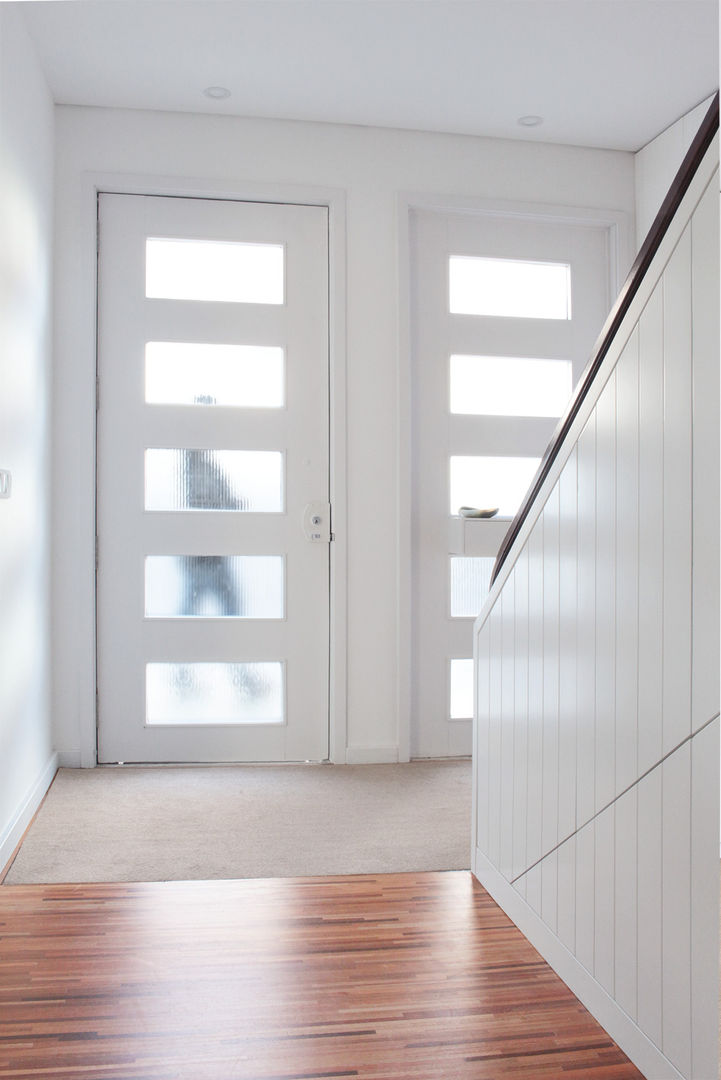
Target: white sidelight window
<point>505,309</point>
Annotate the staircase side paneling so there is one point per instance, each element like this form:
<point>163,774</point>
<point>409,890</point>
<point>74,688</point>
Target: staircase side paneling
<point>598,681</point>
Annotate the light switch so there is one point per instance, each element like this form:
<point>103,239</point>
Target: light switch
<point>6,483</point>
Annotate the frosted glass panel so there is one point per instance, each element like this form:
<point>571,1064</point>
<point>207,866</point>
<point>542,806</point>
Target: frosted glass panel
<point>470,581</point>
<point>249,480</point>
<point>509,288</point>
<point>487,482</point>
<point>245,693</point>
<point>509,386</point>
<point>214,270</point>
<point>179,373</point>
<point>214,586</point>
<point>461,689</point>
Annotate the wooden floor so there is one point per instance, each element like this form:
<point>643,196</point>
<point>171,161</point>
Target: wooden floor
<point>414,976</point>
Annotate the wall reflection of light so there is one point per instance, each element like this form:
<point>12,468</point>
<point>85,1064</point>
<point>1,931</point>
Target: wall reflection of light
<point>25,267</point>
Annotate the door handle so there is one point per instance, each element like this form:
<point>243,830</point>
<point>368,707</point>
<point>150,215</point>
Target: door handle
<point>316,523</point>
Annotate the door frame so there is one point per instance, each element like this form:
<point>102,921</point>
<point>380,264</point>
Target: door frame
<point>77,397</point>
<point>620,231</point>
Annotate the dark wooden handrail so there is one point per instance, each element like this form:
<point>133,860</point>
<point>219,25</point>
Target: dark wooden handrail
<point>670,205</point>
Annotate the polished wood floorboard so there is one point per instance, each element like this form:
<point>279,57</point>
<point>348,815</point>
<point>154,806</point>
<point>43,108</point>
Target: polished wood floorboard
<point>417,976</point>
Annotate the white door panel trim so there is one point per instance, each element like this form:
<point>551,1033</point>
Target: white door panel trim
<point>77,553</point>
<point>126,643</point>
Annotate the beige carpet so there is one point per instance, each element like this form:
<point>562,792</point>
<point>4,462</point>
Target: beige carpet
<point>174,823</point>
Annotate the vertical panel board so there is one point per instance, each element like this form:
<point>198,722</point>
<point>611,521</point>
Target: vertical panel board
<point>549,823</point>
<point>520,745</point>
<point>533,888</point>
<point>705,900</point>
<point>586,626</point>
<point>549,891</point>
<point>649,925</point>
<point>535,694</point>
<point>585,895</point>
<point>625,901</point>
<point>705,271</point>
<point>507,605</point>
<point>567,894</point>
<point>677,508</point>
<point>480,784</point>
<point>549,820</point>
<point>604,883</point>
<point>567,614</point>
<point>606,594</point>
<point>677,908</point>
<point>495,626</point>
<point>650,539</point>
<point>627,565</point>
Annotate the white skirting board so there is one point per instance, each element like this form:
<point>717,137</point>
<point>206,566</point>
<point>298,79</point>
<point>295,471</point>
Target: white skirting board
<point>12,834</point>
<point>642,1052</point>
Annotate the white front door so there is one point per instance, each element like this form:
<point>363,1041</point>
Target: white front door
<point>506,310</point>
<point>213,520</point>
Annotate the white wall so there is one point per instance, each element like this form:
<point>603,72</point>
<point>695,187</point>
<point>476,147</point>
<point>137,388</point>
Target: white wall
<point>657,163</point>
<point>597,790</point>
<point>26,200</point>
<point>365,170</point>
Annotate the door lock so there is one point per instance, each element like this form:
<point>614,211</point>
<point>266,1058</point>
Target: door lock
<point>316,523</point>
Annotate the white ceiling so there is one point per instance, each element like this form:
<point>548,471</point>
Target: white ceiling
<point>608,73</point>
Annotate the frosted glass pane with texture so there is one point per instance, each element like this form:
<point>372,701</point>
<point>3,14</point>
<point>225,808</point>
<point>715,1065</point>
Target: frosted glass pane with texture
<point>461,689</point>
<point>214,693</point>
<point>509,288</point>
<point>488,482</point>
<point>509,386</point>
<point>185,373</point>
<point>470,581</point>
<point>246,480</point>
<point>214,586</point>
<point>220,270</point>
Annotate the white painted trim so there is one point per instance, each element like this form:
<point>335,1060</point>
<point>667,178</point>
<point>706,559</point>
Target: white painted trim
<point>474,755</point>
<point>620,227</point>
<point>404,465</point>
<point>642,1052</point>
<point>13,832</point>
<point>372,755</point>
<point>80,263</point>
<point>338,373</point>
<point>704,176</point>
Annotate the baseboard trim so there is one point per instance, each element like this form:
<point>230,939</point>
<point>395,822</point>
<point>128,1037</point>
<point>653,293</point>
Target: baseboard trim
<point>371,755</point>
<point>637,1046</point>
<point>13,833</point>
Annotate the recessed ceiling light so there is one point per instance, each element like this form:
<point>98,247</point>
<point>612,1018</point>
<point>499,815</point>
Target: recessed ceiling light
<point>530,121</point>
<point>217,92</point>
